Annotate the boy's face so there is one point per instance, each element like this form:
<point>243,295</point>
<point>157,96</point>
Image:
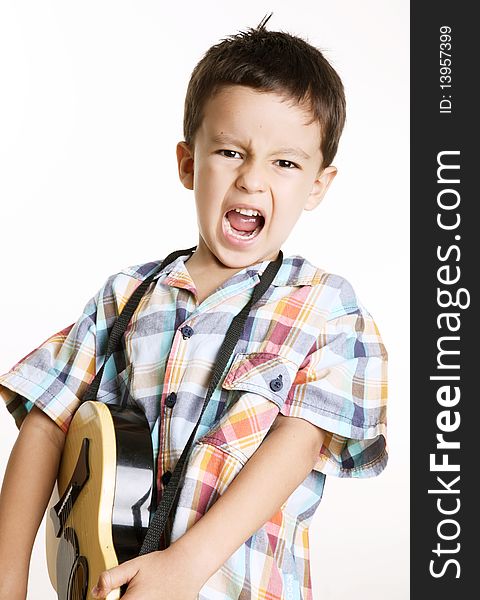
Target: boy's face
<point>252,150</point>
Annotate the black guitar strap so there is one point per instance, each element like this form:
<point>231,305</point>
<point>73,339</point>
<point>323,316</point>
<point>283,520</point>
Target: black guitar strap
<point>152,538</point>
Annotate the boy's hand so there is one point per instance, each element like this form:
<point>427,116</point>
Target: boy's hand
<point>161,574</point>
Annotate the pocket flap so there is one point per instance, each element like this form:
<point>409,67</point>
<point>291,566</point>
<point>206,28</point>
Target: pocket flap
<point>263,373</point>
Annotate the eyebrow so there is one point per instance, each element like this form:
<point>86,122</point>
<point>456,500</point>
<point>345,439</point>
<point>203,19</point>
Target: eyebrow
<point>294,152</point>
<point>228,139</point>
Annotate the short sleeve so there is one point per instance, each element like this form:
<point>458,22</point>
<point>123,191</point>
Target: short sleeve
<point>55,375</point>
<point>342,388</point>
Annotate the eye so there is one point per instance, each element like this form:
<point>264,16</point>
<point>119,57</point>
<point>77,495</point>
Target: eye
<point>288,164</point>
<point>229,153</point>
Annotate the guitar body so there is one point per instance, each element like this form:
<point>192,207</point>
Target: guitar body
<point>99,511</point>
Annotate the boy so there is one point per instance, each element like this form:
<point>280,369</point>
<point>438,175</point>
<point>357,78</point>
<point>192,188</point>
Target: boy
<point>304,393</point>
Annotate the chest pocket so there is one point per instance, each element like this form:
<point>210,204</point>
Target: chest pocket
<point>262,373</point>
<point>259,383</point>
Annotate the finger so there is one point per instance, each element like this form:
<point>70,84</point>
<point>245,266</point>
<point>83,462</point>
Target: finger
<point>114,578</point>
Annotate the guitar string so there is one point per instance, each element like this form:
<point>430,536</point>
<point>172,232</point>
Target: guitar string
<point>71,548</point>
<point>75,553</point>
<point>68,528</point>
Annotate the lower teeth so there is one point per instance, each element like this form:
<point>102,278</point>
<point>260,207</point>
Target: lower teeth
<point>239,236</point>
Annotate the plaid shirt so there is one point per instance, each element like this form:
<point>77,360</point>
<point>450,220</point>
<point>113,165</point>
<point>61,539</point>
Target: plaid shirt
<point>309,327</point>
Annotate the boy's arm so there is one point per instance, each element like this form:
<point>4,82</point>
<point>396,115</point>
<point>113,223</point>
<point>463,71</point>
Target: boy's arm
<point>27,486</point>
<point>279,465</point>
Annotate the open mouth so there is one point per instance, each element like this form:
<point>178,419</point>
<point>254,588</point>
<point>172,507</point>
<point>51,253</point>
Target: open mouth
<point>243,226</point>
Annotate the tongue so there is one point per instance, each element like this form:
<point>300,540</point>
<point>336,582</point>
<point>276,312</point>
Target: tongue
<point>243,222</point>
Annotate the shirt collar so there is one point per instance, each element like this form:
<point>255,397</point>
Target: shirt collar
<point>295,270</point>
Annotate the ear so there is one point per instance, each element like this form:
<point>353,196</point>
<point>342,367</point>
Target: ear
<point>185,164</point>
<point>320,187</point>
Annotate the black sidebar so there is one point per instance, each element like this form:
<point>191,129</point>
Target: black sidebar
<point>445,209</point>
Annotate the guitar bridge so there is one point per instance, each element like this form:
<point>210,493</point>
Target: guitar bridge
<point>59,513</point>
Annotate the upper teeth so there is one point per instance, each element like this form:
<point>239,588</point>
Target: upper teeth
<point>247,211</point>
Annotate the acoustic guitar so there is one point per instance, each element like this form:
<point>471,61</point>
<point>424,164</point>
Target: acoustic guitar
<point>99,511</point>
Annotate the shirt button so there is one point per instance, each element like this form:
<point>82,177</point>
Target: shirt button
<point>171,399</point>
<point>186,332</point>
<point>276,384</point>
<point>166,477</point>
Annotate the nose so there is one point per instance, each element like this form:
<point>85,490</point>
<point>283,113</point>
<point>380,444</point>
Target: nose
<point>251,178</point>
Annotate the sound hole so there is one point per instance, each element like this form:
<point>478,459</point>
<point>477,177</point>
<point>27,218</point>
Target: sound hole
<point>77,585</point>
<point>72,569</point>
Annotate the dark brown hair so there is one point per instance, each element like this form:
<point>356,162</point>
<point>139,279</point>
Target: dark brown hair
<point>270,61</point>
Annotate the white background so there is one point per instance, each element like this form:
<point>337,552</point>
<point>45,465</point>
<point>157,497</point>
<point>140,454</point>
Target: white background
<point>91,109</point>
